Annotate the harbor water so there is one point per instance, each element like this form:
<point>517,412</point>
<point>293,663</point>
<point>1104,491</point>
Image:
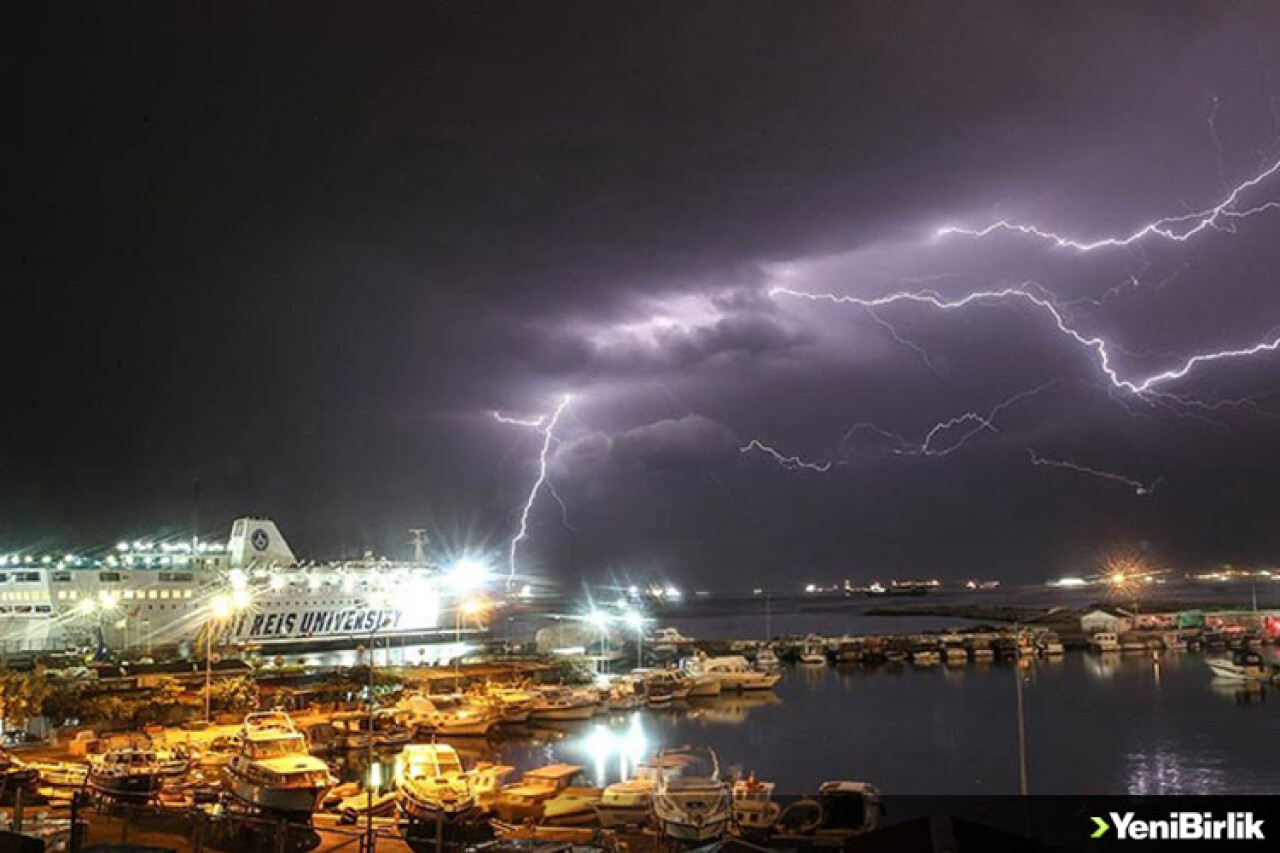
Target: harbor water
<point>1137,724</point>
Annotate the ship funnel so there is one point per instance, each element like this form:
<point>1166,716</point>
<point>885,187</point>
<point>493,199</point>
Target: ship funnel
<point>257,542</point>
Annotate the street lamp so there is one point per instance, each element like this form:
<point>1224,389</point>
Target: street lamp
<point>636,620</point>
<point>467,574</point>
<point>600,620</point>
<point>220,609</point>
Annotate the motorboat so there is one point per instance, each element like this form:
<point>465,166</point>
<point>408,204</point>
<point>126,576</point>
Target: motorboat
<point>625,694</point>
<point>433,786</point>
<point>462,720</point>
<point>629,803</point>
<point>732,671</point>
<point>667,641</point>
<point>1244,665</point>
<point>980,650</point>
<point>390,728</point>
<point>922,655</point>
<point>1104,641</point>
<point>130,774</point>
<point>694,804</point>
<point>219,751</point>
<point>351,730</point>
<point>527,798</point>
<point>57,774</point>
<point>15,773</point>
<point>662,686</point>
<point>174,760</point>
<point>767,659</point>
<point>560,704</point>
<point>754,810</point>
<point>814,651</point>
<point>697,686</point>
<point>274,770</point>
<point>848,650</point>
<point>514,707</point>
<point>1049,644</point>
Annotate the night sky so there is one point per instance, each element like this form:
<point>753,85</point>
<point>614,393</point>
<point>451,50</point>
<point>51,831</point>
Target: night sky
<point>288,259</point>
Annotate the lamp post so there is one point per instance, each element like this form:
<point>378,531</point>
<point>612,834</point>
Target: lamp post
<point>220,608</point>
<point>636,620</point>
<point>1017,678</point>
<point>600,620</point>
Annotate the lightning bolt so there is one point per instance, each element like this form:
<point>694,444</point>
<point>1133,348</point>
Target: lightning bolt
<point>1140,488</point>
<point>1100,347</point>
<point>548,436</point>
<point>533,423</point>
<point>1177,229</point>
<point>791,463</point>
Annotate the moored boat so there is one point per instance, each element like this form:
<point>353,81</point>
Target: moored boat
<point>131,774</point>
<point>274,770</point>
<point>433,786</point>
<point>694,804</point>
<point>527,798</point>
<point>1241,666</point>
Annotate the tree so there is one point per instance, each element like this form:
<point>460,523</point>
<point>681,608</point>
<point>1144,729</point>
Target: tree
<point>233,695</point>
<point>22,695</point>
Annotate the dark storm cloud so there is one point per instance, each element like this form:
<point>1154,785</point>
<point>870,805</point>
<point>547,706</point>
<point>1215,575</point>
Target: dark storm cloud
<point>299,260</point>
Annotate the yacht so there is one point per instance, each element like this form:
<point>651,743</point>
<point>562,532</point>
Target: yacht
<point>1241,666</point>
<point>702,686</point>
<point>732,671</point>
<point>693,805</point>
<point>274,770</point>
<point>558,704</point>
<point>127,774</point>
<point>527,799</point>
<point>667,641</point>
<point>754,810</point>
<point>433,786</point>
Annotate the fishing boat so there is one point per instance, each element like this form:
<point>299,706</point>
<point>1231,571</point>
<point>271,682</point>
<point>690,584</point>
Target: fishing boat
<point>754,810</point>
<point>1242,665</point>
<point>274,770</point>
<point>560,704</point>
<point>433,786</point>
<point>693,805</point>
<point>131,774</point>
<point>732,671</point>
<point>527,798</point>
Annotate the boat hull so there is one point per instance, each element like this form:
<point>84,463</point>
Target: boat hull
<point>133,789</point>
<point>299,799</point>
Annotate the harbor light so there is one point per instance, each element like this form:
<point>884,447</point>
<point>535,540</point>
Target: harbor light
<point>220,606</point>
<point>599,618</point>
<point>635,619</point>
<point>467,574</point>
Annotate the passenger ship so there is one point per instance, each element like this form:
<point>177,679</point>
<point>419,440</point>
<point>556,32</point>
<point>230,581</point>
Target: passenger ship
<point>251,591</point>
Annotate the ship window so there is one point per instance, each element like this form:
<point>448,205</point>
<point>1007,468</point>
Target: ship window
<point>62,595</point>
<point>26,576</point>
<point>74,595</point>
<point>3,577</point>
<point>62,577</point>
<point>128,594</point>
<point>43,608</point>
<point>164,593</point>
<point>109,577</point>
<point>186,593</point>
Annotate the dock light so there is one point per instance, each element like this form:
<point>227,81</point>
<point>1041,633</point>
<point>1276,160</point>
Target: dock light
<point>467,575</point>
<point>635,619</point>
<point>599,618</point>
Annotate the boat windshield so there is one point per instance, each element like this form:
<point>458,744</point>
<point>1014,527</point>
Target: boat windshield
<point>429,765</point>
<point>277,747</point>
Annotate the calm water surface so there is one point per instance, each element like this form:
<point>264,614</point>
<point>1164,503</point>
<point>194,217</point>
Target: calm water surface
<point>1095,724</point>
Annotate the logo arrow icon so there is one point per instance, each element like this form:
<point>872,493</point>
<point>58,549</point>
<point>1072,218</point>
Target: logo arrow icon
<point>1103,826</point>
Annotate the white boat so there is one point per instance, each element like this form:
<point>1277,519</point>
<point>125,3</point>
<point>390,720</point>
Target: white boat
<point>127,774</point>
<point>925,656</point>
<point>433,786</point>
<point>1048,644</point>
<point>560,704</point>
<point>667,641</point>
<point>274,770</point>
<point>1243,665</point>
<point>465,720</point>
<point>1104,641</point>
<point>514,707</point>
<point>527,799</point>
<point>697,686</point>
<point>732,671</point>
<point>219,751</point>
<point>693,805</point>
<point>754,810</point>
<point>814,651</point>
<point>630,802</point>
<point>767,659</point>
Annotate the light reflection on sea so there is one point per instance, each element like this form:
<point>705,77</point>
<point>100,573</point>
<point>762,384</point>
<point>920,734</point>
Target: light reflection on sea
<point>1094,724</point>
